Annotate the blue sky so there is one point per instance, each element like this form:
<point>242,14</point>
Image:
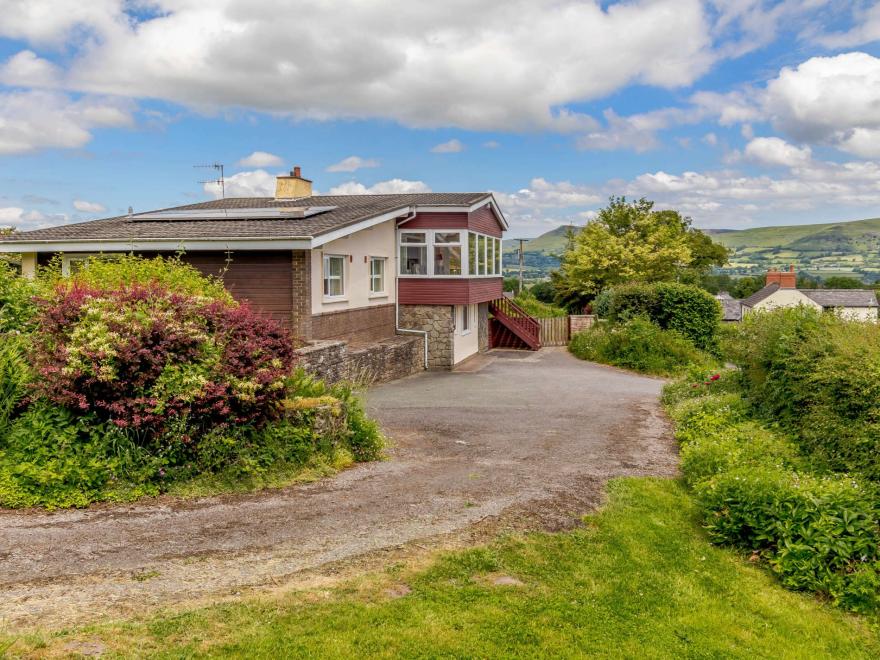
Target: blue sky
<point>739,113</point>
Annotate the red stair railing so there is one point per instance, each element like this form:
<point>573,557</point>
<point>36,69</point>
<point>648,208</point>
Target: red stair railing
<point>517,320</point>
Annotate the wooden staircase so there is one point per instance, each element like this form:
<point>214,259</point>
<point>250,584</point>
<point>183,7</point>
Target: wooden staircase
<point>511,327</point>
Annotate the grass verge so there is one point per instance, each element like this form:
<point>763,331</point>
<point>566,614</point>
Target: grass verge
<point>640,580</point>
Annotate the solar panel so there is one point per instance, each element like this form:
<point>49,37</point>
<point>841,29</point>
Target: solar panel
<point>275,213</point>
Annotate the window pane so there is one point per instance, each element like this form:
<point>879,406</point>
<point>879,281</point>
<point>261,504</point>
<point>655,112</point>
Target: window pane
<point>413,260</point>
<point>472,254</point>
<point>412,237</point>
<point>336,266</point>
<point>335,287</point>
<point>447,260</point>
<point>465,318</point>
<point>481,255</point>
<point>447,237</point>
<point>498,256</point>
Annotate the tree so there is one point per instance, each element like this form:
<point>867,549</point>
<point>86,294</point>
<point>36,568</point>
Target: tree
<point>543,291</point>
<point>631,242</point>
<point>746,286</point>
<point>842,282</point>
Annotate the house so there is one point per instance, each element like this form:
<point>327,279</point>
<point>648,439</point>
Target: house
<point>781,290</point>
<point>731,309</point>
<point>359,269</point>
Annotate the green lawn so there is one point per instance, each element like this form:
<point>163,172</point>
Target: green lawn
<point>639,581</point>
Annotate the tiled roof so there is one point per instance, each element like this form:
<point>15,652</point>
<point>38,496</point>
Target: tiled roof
<point>731,309</point>
<point>842,297</point>
<point>349,209</point>
<point>758,296</point>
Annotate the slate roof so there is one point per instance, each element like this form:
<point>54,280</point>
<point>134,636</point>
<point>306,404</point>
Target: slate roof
<point>759,295</point>
<point>731,309</point>
<point>842,297</point>
<point>350,209</point>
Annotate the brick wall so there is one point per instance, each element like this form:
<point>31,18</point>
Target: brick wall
<point>439,323</point>
<point>364,324</point>
<point>301,312</point>
<point>581,322</point>
<point>389,359</point>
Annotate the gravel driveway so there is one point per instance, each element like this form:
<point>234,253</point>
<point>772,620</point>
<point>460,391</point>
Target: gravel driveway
<point>513,440</point>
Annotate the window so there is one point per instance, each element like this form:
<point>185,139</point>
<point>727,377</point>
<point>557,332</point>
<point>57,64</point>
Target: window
<point>498,256</point>
<point>334,270</point>
<point>413,253</point>
<point>377,275</point>
<point>472,254</point>
<point>447,253</point>
<point>481,255</point>
<point>465,319</point>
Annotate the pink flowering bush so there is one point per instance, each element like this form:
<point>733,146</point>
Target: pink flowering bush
<point>143,357</point>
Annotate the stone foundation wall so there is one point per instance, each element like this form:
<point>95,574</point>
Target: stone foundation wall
<point>389,359</point>
<point>439,322</point>
<point>483,326</point>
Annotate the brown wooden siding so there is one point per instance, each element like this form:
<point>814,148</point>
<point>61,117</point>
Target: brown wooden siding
<point>437,291</point>
<point>482,220</point>
<point>360,325</point>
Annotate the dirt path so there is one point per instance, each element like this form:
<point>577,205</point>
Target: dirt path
<point>517,439</point>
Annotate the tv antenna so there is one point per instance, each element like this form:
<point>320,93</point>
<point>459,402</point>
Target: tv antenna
<point>221,181</point>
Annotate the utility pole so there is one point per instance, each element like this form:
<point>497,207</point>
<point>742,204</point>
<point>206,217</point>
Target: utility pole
<point>521,262</point>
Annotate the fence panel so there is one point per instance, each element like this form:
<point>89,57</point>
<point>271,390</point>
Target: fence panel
<point>554,331</point>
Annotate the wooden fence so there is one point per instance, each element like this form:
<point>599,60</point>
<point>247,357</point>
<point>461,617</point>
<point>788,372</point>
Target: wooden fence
<point>554,331</point>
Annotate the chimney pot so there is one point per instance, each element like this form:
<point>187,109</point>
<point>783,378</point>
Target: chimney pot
<point>297,172</point>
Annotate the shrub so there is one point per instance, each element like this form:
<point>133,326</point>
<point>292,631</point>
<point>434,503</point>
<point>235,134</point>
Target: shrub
<point>536,308</point>
<point>17,307</point>
<point>15,375</point>
<point>637,344</point>
<point>141,355</point>
<point>689,310</point>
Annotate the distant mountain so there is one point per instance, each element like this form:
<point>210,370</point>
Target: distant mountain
<point>551,242</point>
<point>825,249</point>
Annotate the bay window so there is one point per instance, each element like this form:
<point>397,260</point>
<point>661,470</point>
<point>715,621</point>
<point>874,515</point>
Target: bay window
<point>442,253</point>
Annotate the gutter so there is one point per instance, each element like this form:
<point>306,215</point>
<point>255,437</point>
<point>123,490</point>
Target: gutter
<point>397,328</point>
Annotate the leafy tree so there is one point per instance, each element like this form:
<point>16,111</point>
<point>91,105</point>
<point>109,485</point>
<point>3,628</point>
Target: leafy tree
<point>842,282</point>
<point>746,286</point>
<point>631,242</point>
<point>543,291</point>
<point>807,281</point>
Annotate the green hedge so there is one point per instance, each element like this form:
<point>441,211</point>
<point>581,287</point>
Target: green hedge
<point>817,532</point>
<point>689,310</point>
<point>640,345</point>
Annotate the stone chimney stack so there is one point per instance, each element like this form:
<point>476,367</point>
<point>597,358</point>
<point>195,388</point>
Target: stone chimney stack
<point>786,279</point>
<point>293,185</point>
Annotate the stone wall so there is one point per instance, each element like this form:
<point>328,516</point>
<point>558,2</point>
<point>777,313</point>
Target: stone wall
<point>389,359</point>
<point>483,326</point>
<point>581,322</point>
<point>439,322</point>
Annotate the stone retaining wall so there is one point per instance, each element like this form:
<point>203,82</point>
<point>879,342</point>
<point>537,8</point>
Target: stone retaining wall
<point>581,322</point>
<point>389,359</point>
<point>439,323</point>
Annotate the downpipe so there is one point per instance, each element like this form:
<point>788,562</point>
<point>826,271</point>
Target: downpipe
<point>397,328</point>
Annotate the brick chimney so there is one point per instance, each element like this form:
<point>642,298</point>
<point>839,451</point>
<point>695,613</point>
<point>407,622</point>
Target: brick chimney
<point>293,185</point>
<point>786,279</point>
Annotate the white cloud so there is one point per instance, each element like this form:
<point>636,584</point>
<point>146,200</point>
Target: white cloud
<point>452,147</point>
<point>353,164</point>
<point>14,216</point>
<point>256,183</point>
<point>866,28</point>
<point>32,120</point>
<point>261,159</point>
<point>457,63</point>
<point>711,139</point>
<point>546,204</point>
<point>88,207</point>
<point>26,69</point>
<point>831,100</point>
<point>775,151</point>
<point>390,187</point>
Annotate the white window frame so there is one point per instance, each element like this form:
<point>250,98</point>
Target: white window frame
<point>67,258</point>
<point>466,320</point>
<point>383,292</point>
<point>326,277</point>
<point>485,258</point>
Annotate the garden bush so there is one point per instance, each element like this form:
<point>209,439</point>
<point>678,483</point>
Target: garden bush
<point>17,307</point>
<point>818,531</point>
<point>689,310</point>
<point>137,376</point>
<point>537,308</point>
<point>640,345</point>
<point>818,375</point>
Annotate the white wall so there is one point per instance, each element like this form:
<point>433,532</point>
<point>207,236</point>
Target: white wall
<point>378,241</point>
<point>858,313</point>
<point>465,344</point>
<point>785,298</point>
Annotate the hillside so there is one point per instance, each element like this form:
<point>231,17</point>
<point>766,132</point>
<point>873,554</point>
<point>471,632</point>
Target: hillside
<point>834,248</point>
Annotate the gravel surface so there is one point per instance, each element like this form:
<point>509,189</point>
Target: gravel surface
<point>512,440</point>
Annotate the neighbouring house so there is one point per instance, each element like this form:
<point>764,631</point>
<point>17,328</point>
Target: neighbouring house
<point>781,290</point>
<point>414,272</point>
<point>731,309</point>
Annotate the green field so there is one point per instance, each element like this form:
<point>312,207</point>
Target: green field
<point>836,248</point>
